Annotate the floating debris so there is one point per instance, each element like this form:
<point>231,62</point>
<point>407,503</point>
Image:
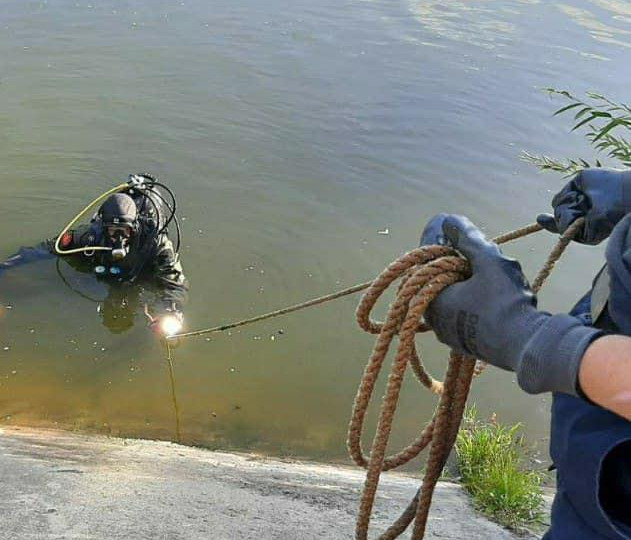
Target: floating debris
<point>384,232</point>
<point>7,348</point>
<point>232,370</point>
<point>281,331</point>
<point>272,337</point>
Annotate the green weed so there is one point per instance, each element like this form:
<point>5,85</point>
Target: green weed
<point>490,464</point>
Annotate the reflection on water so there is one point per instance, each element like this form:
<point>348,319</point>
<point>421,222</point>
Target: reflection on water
<point>481,23</point>
<point>599,30</point>
<point>292,134</point>
<point>484,23</point>
<point>620,8</point>
<point>119,305</point>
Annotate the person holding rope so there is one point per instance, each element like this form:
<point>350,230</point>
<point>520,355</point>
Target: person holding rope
<point>126,240</point>
<point>583,358</point>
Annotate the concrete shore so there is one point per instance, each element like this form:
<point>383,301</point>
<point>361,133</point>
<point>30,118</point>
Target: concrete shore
<point>61,485</point>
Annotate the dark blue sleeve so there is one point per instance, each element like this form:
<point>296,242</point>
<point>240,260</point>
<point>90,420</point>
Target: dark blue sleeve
<point>591,449</point>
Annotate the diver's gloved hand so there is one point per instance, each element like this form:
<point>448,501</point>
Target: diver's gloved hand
<point>493,315</point>
<point>601,196</point>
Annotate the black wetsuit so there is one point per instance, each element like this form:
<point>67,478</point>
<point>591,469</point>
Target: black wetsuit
<point>151,257</point>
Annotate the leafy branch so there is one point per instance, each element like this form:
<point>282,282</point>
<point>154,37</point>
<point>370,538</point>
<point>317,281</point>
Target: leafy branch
<point>546,163</point>
<point>600,117</point>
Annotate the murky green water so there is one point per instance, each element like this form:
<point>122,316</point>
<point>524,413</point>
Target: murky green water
<point>292,133</point>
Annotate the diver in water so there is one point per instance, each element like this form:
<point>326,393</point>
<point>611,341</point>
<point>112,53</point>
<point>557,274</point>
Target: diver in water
<point>126,241</point>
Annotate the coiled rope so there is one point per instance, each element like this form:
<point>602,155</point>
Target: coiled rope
<point>424,273</point>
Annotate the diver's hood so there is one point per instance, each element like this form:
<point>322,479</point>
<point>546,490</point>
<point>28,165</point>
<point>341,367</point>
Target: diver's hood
<point>118,209</point>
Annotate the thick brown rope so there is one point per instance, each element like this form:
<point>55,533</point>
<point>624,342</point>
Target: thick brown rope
<point>424,273</point>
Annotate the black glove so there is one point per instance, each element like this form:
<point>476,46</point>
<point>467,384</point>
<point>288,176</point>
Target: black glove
<point>493,314</point>
<point>601,196</point>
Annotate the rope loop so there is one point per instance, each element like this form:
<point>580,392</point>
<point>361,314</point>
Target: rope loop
<point>400,267</point>
<point>423,273</point>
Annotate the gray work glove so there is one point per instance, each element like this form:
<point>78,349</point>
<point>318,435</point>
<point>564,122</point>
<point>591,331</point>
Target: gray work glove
<point>601,196</point>
<point>493,315</point>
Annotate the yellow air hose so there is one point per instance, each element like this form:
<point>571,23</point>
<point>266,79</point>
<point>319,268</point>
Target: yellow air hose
<point>60,251</point>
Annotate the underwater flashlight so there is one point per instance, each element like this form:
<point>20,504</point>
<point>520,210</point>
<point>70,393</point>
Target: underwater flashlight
<point>170,325</point>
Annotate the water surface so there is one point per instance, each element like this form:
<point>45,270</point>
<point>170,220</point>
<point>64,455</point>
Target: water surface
<point>292,134</point>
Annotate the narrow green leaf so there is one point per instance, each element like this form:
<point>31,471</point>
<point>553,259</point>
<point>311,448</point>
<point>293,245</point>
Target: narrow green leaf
<point>583,122</point>
<point>582,112</point>
<point>567,108</point>
<point>607,129</point>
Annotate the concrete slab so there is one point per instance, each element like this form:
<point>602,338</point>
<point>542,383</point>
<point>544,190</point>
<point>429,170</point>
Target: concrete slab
<point>61,485</point>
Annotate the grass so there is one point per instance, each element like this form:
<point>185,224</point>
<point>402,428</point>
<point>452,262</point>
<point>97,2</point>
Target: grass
<point>490,461</point>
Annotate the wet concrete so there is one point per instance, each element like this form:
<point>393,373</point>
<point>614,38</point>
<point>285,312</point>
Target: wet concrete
<point>61,485</point>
